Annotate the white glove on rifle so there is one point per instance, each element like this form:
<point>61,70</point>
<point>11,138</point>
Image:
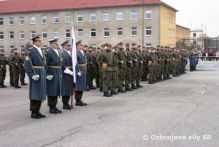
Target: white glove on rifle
<point>49,77</point>
<point>68,71</point>
<point>35,77</point>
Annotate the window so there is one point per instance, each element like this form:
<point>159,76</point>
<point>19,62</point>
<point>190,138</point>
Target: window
<point>21,34</point>
<point>1,21</point>
<point>134,31</point>
<point>134,15</point>
<point>106,17</point>
<point>171,17</point>
<point>171,33</point>
<point>79,18</point>
<point>67,19</point>
<point>11,47</point>
<point>194,34</point>
<point>55,35</point>
<point>45,46</point>
<point>80,33</point>
<point>119,16</point>
<point>22,20</point>
<point>106,32</point>
<point>68,33</point>
<point>33,34</point>
<point>148,14</point>
<point>43,19</point>
<point>148,45</point>
<point>44,34</point>
<point>148,31</point>
<point>1,35</point>
<point>11,21</point>
<point>22,47</point>
<point>119,31</point>
<point>55,19</point>
<point>93,17</point>
<point>11,35</point>
<point>93,32</point>
<point>33,20</point>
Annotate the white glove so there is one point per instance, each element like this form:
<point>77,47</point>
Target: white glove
<point>49,77</point>
<point>35,77</point>
<point>68,71</point>
<point>79,73</point>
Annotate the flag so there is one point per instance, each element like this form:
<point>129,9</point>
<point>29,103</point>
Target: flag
<point>74,55</point>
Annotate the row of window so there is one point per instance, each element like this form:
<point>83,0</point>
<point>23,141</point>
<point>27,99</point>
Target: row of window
<point>80,32</point>
<point>23,46</point>
<point>80,18</point>
<point>171,32</point>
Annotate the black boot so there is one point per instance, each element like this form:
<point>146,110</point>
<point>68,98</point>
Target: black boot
<point>23,84</point>
<point>17,87</point>
<point>66,106</point>
<point>52,110</point>
<point>134,87</point>
<point>41,115</point>
<point>107,94</point>
<point>35,115</point>
<point>114,92</point>
<point>121,90</point>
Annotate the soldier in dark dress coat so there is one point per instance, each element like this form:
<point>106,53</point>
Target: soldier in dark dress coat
<point>35,69</point>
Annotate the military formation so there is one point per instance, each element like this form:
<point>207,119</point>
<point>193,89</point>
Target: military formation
<point>112,69</point>
<point>15,61</point>
<point>122,68</point>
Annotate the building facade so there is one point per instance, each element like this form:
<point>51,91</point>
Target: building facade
<point>197,38</point>
<point>149,24</point>
<point>182,35</point>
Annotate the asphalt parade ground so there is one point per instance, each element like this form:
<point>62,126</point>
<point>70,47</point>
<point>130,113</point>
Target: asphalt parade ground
<point>181,112</point>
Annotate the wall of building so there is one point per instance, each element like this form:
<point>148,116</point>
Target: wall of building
<point>167,27</point>
<point>159,24</point>
<point>182,34</point>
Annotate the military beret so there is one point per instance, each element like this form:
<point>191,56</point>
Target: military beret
<point>127,44</point>
<point>36,38</point>
<point>53,40</point>
<point>120,43</point>
<point>65,43</point>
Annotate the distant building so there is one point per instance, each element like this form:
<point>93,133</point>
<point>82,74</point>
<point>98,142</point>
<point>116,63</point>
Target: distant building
<point>148,22</point>
<point>197,38</point>
<point>183,35</point>
<point>211,44</point>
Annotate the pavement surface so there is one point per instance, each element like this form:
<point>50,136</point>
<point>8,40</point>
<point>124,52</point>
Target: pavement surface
<point>181,112</point>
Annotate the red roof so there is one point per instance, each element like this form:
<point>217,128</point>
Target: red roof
<point>14,6</point>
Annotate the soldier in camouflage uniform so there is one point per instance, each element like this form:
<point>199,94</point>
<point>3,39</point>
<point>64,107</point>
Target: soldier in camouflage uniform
<point>151,66</point>
<point>122,67</point>
<point>22,70</point>
<point>140,67</point>
<point>129,67</point>
<point>90,67</point>
<point>10,67</point>
<point>106,63</point>
<point>135,62</point>
<point>16,62</point>
<point>97,69</point>
<point>3,62</point>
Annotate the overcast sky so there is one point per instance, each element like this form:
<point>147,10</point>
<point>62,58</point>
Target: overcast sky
<point>197,14</point>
